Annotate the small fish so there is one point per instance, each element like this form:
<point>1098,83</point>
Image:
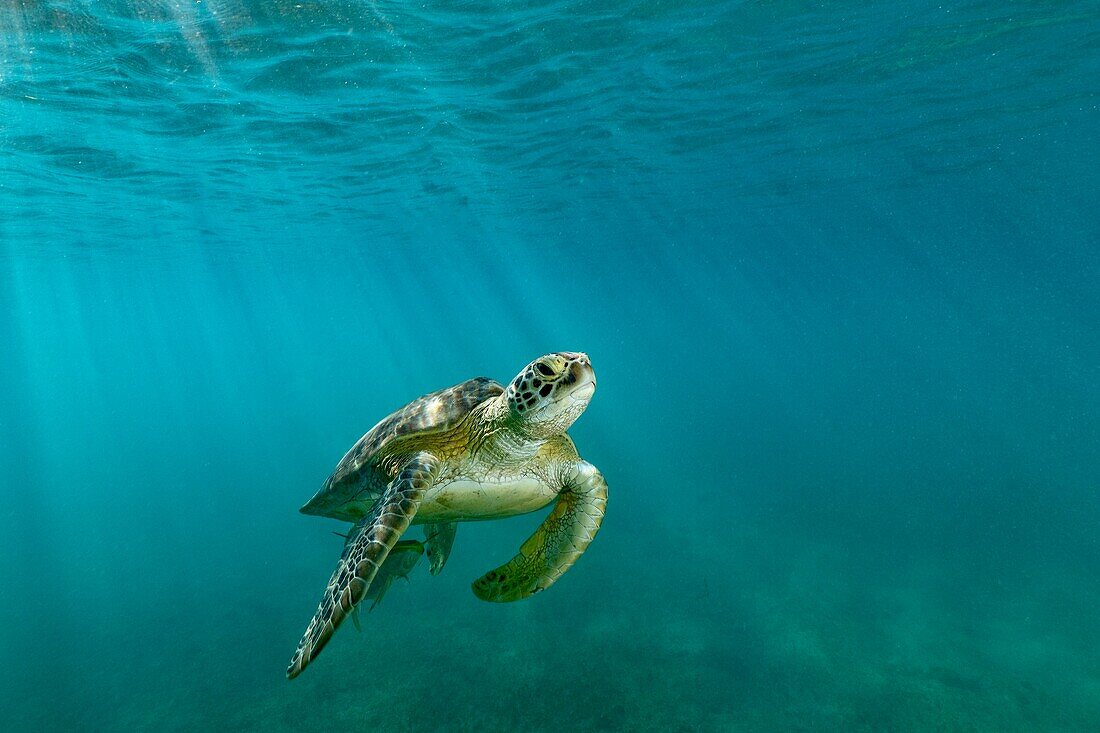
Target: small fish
<point>398,564</point>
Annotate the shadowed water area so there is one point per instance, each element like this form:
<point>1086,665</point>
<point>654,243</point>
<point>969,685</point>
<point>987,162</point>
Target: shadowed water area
<point>835,265</point>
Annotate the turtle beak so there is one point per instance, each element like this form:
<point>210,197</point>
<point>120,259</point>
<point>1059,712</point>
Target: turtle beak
<point>581,372</point>
<point>584,391</point>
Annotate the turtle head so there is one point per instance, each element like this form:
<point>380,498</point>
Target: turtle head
<point>551,392</point>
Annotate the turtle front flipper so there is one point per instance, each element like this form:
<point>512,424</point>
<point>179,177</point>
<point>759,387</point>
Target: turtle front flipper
<point>440,538</point>
<point>556,544</point>
<point>368,544</point>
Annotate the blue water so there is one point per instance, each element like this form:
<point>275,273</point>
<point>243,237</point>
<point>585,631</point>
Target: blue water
<point>836,266</point>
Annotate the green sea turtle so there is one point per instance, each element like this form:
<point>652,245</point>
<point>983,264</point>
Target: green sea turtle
<point>473,451</point>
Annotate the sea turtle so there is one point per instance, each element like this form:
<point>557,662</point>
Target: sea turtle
<point>473,451</point>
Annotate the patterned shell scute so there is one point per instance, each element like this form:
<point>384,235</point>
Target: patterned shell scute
<point>434,412</point>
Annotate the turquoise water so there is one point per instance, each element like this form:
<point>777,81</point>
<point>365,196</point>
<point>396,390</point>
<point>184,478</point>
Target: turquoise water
<point>835,265</point>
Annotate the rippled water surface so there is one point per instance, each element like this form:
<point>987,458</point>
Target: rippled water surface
<point>836,266</point>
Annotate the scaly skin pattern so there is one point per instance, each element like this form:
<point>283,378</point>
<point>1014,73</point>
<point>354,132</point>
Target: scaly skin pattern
<point>363,555</point>
<point>556,544</point>
<point>475,451</point>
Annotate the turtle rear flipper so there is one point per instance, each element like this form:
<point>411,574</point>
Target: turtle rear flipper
<point>556,544</point>
<point>368,545</point>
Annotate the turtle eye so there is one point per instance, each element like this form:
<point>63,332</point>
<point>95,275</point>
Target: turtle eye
<point>544,369</point>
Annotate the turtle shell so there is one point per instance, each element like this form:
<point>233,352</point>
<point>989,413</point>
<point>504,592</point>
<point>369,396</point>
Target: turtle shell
<point>433,413</point>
